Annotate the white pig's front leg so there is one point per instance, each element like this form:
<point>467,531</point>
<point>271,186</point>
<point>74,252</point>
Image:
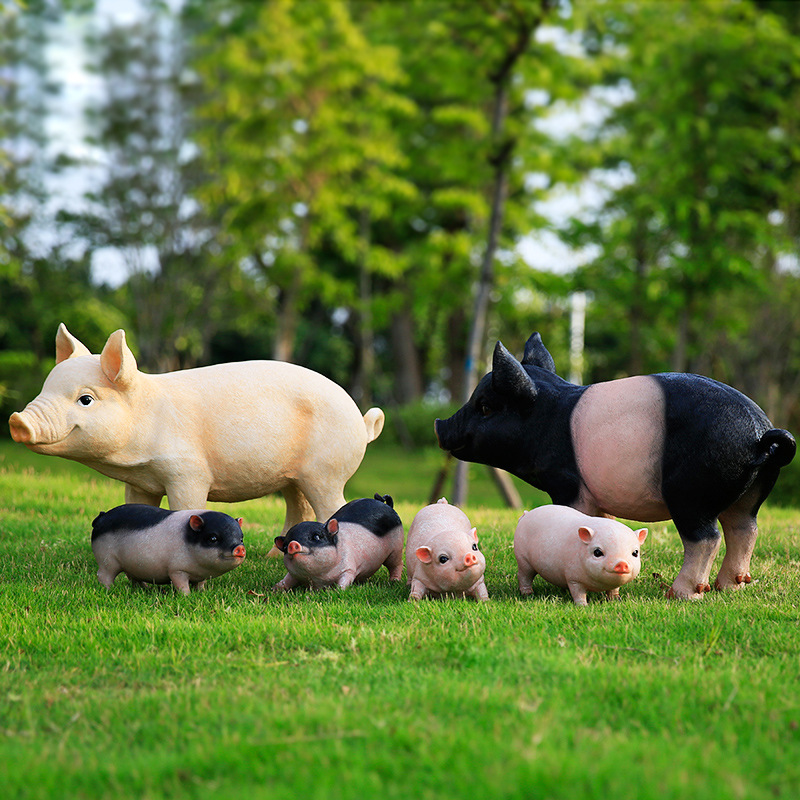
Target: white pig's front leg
<point>186,497</point>
<point>135,495</point>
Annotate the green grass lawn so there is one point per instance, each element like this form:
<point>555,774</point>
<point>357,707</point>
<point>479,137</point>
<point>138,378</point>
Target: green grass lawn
<point>239,693</point>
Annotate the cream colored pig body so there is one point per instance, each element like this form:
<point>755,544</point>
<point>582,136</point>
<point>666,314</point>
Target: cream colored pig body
<point>575,551</point>
<point>228,432</point>
<point>442,555</point>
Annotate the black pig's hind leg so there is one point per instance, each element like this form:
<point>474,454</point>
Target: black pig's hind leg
<point>701,542</point>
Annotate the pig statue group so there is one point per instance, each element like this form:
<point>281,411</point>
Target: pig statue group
<point>666,446</point>
<point>655,447</point>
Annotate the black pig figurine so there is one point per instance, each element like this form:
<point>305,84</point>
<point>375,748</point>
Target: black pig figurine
<point>650,447</point>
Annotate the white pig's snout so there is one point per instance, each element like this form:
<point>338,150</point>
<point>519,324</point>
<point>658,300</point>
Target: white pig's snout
<point>470,559</point>
<point>622,568</point>
<point>20,430</point>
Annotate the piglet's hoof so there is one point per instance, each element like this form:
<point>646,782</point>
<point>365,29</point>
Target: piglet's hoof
<point>746,578</point>
<point>702,587</point>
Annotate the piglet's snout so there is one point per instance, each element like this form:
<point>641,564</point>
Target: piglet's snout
<point>622,567</point>
<point>293,547</point>
<point>239,551</point>
<point>470,560</point>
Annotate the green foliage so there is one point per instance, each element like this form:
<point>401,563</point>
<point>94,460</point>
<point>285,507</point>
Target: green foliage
<point>360,693</point>
<point>706,136</point>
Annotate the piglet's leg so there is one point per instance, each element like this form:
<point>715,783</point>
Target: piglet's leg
<point>699,550</point>
<point>479,591</point>
<point>613,594</point>
<point>394,563</point>
<point>418,590</point>
<point>578,593</point>
<point>106,575</point>
<point>346,579</point>
<point>525,576</point>
<point>180,580</point>
<point>287,584</point>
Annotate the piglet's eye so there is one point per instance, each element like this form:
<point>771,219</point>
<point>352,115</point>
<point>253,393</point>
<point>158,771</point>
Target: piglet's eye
<point>213,539</point>
<point>598,553</point>
<point>485,410</point>
<point>635,554</point>
<point>475,547</point>
<point>86,399</point>
<point>443,559</point>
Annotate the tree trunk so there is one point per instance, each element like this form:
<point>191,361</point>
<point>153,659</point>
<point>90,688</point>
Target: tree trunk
<point>500,158</point>
<point>408,379</point>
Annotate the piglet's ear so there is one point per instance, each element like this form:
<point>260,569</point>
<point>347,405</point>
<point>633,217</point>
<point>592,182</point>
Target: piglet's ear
<point>424,555</point>
<point>280,543</point>
<point>240,520</point>
<point>509,378</point>
<point>641,534</point>
<point>537,355</point>
<point>474,534</point>
<point>67,346</point>
<point>117,361</point>
<point>585,534</point>
<point>196,522</point>
<point>332,525</point>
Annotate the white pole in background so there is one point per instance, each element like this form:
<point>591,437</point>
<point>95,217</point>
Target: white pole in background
<point>577,322</point>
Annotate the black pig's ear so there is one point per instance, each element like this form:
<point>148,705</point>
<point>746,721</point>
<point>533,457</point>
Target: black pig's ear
<point>537,355</point>
<point>508,376</point>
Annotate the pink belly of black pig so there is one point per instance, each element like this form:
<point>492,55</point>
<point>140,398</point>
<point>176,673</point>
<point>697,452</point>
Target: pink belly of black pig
<point>618,437</point>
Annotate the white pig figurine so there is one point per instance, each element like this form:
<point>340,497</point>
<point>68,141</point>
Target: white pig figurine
<point>442,555</point>
<point>228,432</point>
<point>575,551</point>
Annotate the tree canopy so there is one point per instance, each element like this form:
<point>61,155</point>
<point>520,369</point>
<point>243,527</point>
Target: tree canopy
<point>346,183</point>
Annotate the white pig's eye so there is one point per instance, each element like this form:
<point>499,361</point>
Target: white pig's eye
<point>474,547</point>
<point>444,559</point>
<point>598,553</point>
<point>635,554</point>
<point>86,399</point>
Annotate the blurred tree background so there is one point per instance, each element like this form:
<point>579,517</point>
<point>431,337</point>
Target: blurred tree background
<point>315,181</point>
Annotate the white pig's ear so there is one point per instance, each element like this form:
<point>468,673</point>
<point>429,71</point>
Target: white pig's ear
<point>474,534</point>
<point>585,534</point>
<point>117,361</point>
<point>67,346</point>
<point>641,534</point>
<point>424,555</point>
